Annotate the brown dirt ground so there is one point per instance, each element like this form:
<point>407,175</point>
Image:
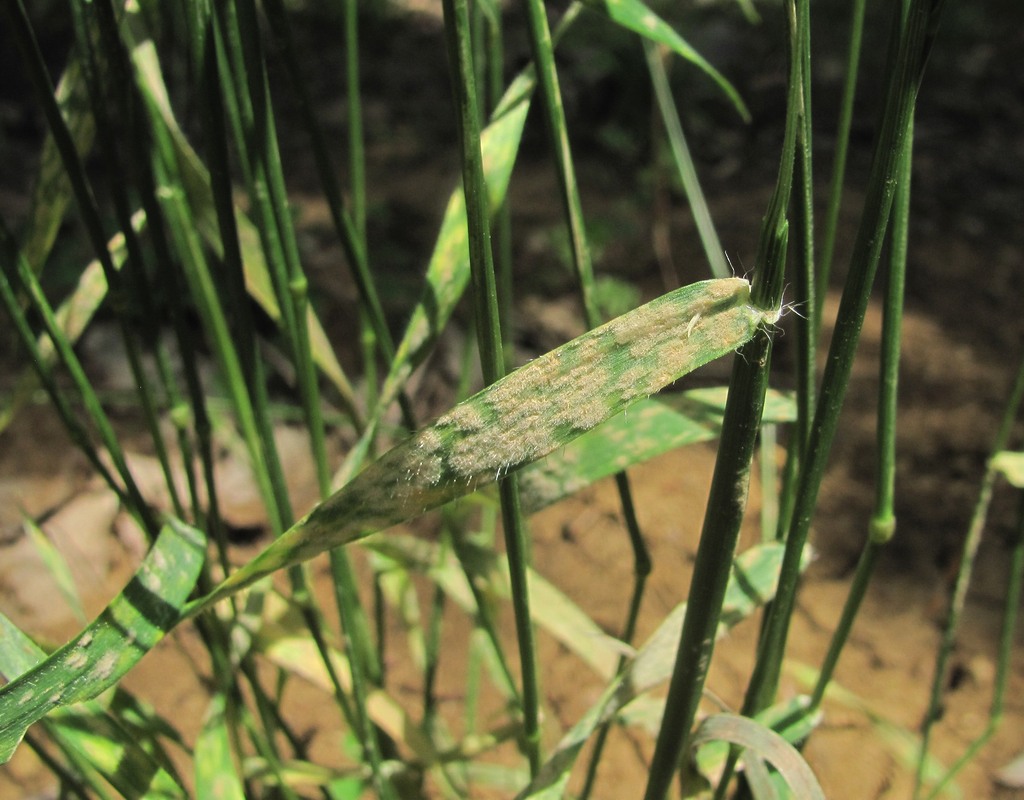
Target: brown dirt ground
<point>961,342</point>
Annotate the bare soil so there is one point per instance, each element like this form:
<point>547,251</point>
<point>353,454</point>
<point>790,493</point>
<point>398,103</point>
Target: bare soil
<point>962,340</point>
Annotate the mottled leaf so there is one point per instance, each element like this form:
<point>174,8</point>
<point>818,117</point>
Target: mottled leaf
<point>115,750</point>
<point>448,270</point>
<point>127,629</point>
<point>648,429</point>
<point>523,417</point>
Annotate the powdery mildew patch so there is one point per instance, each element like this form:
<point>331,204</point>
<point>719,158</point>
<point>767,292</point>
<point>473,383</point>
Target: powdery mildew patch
<point>528,414</point>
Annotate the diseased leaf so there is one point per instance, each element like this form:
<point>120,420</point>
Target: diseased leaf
<point>648,429</point>
<point>127,629</point>
<point>448,271</point>
<point>635,16</point>
<point>128,758</point>
<point>523,417</point>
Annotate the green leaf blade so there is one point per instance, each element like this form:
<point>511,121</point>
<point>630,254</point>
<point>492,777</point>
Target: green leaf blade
<point>215,773</point>
<point>635,16</point>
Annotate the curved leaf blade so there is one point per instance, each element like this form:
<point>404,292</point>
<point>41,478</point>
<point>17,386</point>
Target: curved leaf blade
<point>127,629</point>
<point>1011,465</point>
<point>762,743</point>
<point>635,16</point>
<point>523,417</point>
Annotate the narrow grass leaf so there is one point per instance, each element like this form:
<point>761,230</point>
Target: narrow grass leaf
<point>766,745</point>
<point>116,751</point>
<point>753,582</point>
<point>73,315</point>
<point>650,428</point>
<point>790,719</point>
<point>523,417</point>
<point>635,16</point>
<point>126,630</point>
<point>196,182</point>
<point>215,773</point>
<point>110,747</point>
<point>57,566</point>
<point>284,640</point>
<point>550,608</point>
<point>448,270</point>
<point>52,194</point>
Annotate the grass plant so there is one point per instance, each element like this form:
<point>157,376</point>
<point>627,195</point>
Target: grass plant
<point>184,200</point>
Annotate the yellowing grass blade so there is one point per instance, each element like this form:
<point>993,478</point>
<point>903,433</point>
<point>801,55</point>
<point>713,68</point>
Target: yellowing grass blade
<point>550,608</point>
<point>448,270</point>
<point>761,743</point>
<point>755,575</point>
<point>195,179</point>
<point>127,629</point>
<point>1011,465</point>
<point>528,414</point>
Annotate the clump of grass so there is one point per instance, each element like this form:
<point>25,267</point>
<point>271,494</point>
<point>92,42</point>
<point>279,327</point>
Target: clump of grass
<point>176,231</point>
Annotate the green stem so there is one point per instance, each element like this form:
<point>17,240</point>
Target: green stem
<point>835,190</point>
<point>107,78</point>
<point>547,78</point>
<point>460,51</point>
<point>963,578</point>
<point>32,59</point>
<point>803,216</point>
<point>884,175</point>
<point>883,520</point>
<point>730,482</point>
<point>1011,608</point>
<point>728,495</point>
